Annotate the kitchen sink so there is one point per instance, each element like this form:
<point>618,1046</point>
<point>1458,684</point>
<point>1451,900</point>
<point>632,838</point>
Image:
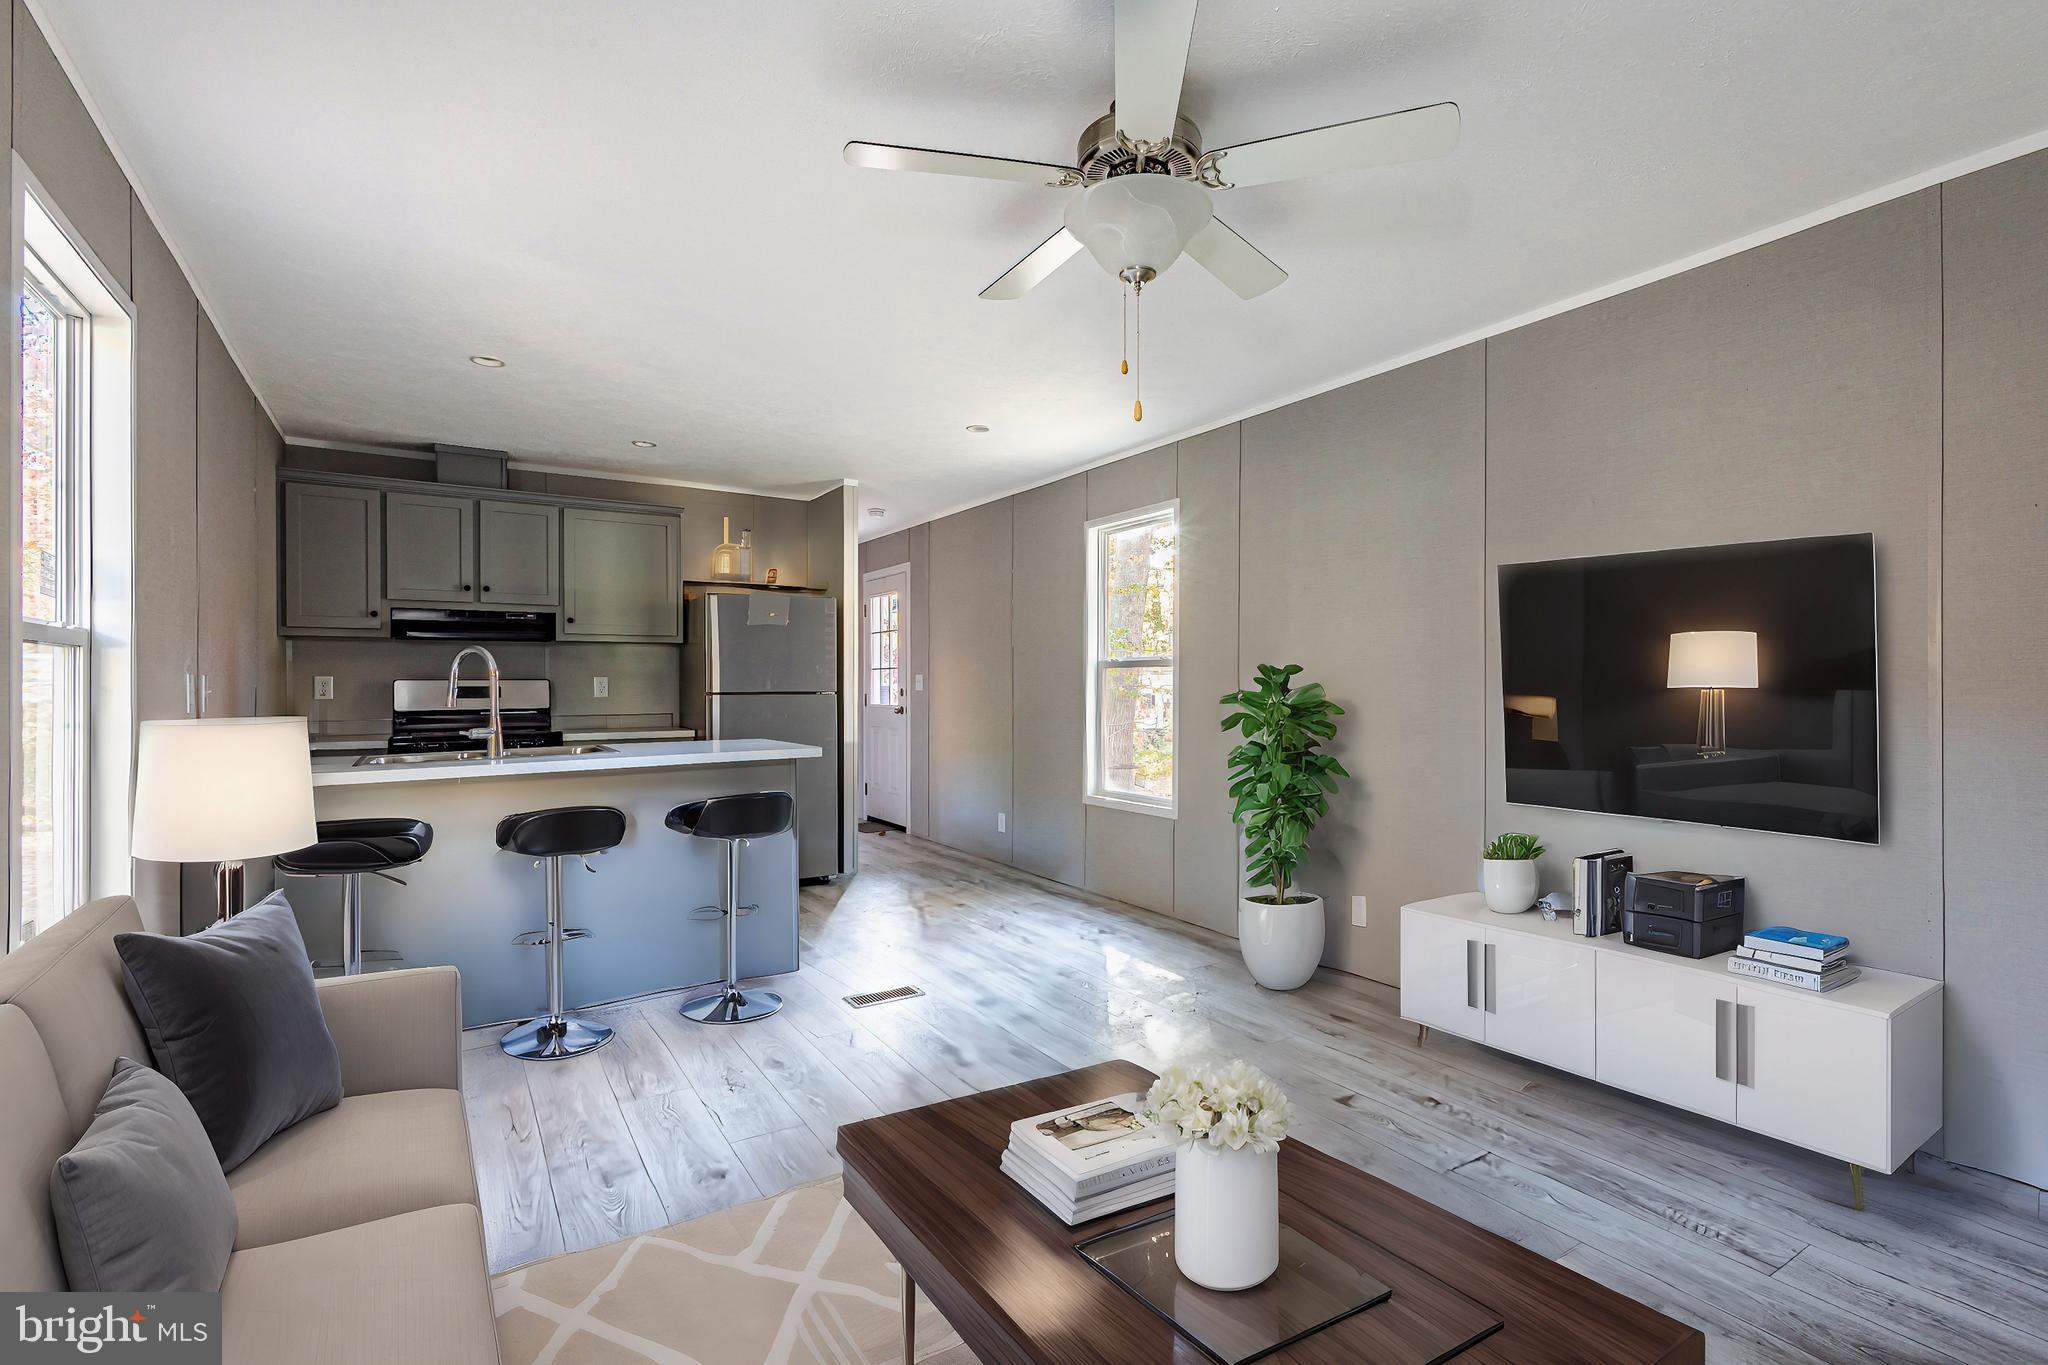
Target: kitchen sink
<point>477,756</point>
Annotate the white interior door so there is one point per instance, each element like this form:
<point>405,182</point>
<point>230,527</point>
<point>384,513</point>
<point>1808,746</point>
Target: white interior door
<point>885,717</point>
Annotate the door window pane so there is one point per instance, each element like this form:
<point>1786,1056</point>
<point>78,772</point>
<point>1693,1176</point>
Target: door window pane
<point>885,643</point>
<point>50,754</point>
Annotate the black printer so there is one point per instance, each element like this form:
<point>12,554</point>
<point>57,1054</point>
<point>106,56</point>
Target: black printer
<point>1691,914</point>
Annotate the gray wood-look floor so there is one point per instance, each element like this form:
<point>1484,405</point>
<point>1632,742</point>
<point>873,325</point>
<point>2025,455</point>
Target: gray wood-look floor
<point>1754,1241</point>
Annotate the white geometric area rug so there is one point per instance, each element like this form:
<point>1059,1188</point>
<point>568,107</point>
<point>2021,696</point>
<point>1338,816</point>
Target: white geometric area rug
<point>798,1279</point>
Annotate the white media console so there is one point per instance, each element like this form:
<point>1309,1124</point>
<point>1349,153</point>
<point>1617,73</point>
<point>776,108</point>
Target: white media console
<point>1854,1074</point>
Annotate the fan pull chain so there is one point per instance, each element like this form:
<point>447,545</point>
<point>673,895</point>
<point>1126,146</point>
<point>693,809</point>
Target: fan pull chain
<point>1138,350</point>
<point>1123,327</point>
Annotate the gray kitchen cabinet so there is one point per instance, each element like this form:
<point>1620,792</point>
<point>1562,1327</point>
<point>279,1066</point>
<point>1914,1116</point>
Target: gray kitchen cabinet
<point>429,548</point>
<point>333,551</point>
<point>519,554</point>
<point>621,575</point>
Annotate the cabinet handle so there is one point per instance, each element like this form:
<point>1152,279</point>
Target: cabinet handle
<point>487,587</point>
<point>1724,1040</point>
<point>373,613</point>
<point>1745,1040</point>
<point>1492,1004</point>
<point>465,587</point>
<point>1472,974</point>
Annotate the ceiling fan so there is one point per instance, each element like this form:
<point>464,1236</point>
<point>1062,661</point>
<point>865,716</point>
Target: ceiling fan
<point>1146,181</point>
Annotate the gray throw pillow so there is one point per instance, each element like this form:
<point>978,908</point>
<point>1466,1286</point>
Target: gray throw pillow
<point>232,1019</point>
<point>141,1204</point>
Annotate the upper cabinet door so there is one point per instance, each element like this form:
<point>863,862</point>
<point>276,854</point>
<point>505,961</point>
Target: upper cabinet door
<point>621,575</point>
<point>333,550</point>
<point>519,554</point>
<point>429,548</point>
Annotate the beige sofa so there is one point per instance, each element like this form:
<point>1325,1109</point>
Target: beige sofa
<point>360,1235</point>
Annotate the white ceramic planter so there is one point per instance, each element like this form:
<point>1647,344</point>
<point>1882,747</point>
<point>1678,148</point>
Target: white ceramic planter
<point>1226,1215</point>
<point>1281,943</point>
<point>1509,884</point>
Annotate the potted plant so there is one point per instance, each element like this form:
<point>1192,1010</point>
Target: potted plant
<point>1228,1122</point>
<point>1281,784</point>
<point>1507,873</point>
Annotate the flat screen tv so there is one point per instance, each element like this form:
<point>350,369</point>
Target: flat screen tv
<point>1724,685</point>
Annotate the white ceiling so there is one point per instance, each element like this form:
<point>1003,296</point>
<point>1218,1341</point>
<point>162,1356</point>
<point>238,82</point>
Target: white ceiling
<point>641,205</point>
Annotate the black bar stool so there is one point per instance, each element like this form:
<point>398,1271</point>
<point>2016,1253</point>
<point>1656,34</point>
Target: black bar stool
<point>548,836</point>
<point>737,820</point>
<point>349,849</point>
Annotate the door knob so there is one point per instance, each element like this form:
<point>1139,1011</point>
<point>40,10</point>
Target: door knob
<point>899,710</point>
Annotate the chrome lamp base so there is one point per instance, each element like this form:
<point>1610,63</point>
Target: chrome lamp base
<point>731,1005</point>
<point>554,1036</point>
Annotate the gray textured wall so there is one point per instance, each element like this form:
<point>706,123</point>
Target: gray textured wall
<point>1880,373</point>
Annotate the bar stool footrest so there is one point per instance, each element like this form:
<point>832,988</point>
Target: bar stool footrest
<point>540,938</point>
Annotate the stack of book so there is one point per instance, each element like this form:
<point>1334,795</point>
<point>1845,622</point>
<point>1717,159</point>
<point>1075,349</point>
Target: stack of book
<point>1795,957</point>
<point>1090,1160</point>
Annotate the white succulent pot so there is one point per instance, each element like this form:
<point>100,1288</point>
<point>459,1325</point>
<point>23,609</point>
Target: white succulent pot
<point>1281,943</point>
<point>1509,884</point>
<point>1226,1215</point>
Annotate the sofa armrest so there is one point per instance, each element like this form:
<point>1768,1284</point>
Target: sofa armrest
<point>396,1030</point>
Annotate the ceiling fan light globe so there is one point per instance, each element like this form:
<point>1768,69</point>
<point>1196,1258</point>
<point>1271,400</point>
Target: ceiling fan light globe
<point>1138,221</point>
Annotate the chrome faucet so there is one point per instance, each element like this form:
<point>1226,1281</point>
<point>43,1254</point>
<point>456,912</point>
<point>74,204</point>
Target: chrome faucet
<point>493,734</point>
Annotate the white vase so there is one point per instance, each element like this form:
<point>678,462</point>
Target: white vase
<point>1508,883</point>
<point>1226,1215</point>
<point>1281,943</point>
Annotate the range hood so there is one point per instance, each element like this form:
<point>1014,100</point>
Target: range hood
<point>468,623</point>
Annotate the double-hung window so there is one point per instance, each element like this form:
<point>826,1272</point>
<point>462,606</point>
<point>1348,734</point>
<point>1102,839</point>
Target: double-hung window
<point>55,631</point>
<point>1132,673</point>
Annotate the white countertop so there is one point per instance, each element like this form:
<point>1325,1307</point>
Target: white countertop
<point>339,770</point>
<point>1874,992</point>
<point>374,743</point>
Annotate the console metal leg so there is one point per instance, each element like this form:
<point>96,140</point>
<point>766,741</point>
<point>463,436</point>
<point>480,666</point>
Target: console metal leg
<point>1856,1184</point>
<point>554,1035</point>
<point>909,1319</point>
<point>1421,1034</point>
<point>729,1004</point>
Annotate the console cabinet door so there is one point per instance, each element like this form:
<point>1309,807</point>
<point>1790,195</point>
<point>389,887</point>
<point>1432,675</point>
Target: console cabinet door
<point>621,575</point>
<point>333,552</point>
<point>429,548</point>
<point>1539,998</point>
<point>1443,974</point>
<point>1667,1032</point>
<point>1814,1074</point>
<point>519,554</point>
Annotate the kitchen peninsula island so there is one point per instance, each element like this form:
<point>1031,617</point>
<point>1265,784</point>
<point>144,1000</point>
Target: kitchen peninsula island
<point>465,902</point>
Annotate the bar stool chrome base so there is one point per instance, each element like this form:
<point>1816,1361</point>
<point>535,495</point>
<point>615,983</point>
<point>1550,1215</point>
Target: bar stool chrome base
<point>731,1005</point>
<point>552,1037</point>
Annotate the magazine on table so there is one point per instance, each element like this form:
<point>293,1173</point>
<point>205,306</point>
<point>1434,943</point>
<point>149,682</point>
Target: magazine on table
<point>1103,1142</point>
<point>1072,1211</point>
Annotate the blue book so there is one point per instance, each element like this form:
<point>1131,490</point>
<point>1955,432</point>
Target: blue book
<point>1799,942</point>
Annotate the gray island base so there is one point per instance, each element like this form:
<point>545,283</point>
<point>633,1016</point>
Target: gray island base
<point>465,901</point>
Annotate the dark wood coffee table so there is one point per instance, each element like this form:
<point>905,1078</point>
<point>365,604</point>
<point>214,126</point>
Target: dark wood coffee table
<point>1005,1274</point>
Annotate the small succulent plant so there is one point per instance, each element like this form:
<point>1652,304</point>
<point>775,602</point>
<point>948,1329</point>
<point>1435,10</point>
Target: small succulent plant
<point>1513,848</point>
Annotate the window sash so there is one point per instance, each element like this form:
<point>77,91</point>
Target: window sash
<point>1103,662</point>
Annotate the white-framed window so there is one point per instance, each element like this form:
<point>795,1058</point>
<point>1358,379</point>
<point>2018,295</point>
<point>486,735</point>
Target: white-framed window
<point>54,664</point>
<point>70,573</point>
<point>1133,673</point>
<point>884,660</point>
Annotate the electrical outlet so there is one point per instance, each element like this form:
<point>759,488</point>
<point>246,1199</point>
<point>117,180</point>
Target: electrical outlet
<point>920,682</point>
<point>323,689</point>
<point>1358,912</point>
<point>600,687</point>
<point>1002,822</point>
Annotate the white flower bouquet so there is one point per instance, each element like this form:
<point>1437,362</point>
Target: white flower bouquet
<point>1232,1106</point>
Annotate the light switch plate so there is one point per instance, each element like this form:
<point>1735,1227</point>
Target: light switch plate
<point>323,689</point>
<point>1358,912</point>
<point>920,682</point>
<point>600,687</point>
<point>1002,822</point>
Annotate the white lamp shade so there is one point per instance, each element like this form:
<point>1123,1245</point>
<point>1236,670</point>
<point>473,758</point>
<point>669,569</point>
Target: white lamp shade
<point>1139,220</point>
<point>215,791</point>
<point>1713,658</point>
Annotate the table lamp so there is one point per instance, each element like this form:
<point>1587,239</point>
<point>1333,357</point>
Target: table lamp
<point>1713,661</point>
<point>220,791</point>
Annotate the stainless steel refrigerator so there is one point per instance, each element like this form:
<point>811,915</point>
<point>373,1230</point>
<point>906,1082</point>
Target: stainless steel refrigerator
<point>765,665</point>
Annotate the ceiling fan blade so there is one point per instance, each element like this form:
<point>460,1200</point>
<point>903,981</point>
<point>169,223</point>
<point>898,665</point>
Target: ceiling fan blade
<point>1233,260</point>
<point>1151,57</point>
<point>1384,140</point>
<point>882,156</point>
<point>1021,278</point>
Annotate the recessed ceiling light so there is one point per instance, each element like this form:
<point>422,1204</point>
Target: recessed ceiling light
<point>644,445</point>
<point>877,511</point>
<point>977,428</point>
<point>489,362</point>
